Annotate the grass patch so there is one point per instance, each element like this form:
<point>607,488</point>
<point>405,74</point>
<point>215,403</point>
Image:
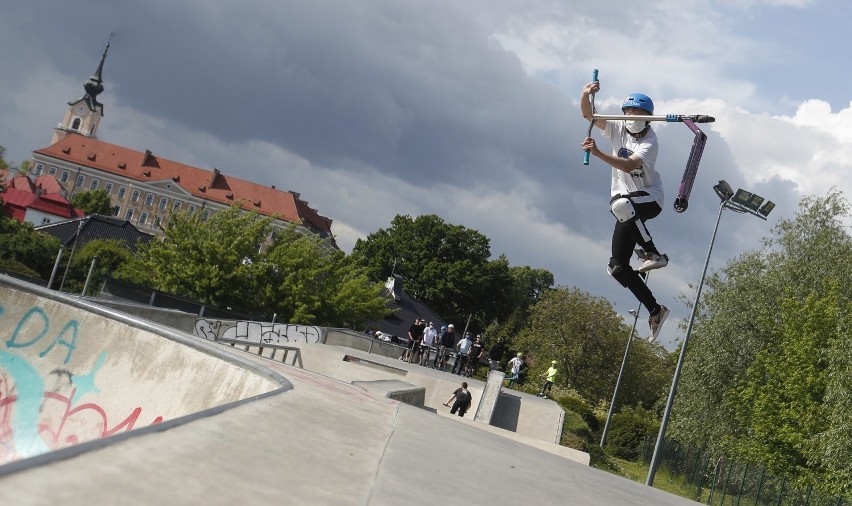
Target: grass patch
<point>663,479</point>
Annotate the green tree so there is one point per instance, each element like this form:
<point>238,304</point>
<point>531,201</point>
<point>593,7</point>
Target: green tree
<point>760,347</point>
<point>834,445</point>
<point>3,163</point>
<point>587,338</point>
<point>19,242</point>
<point>93,202</point>
<point>213,261</point>
<point>310,284</point>
<point>779,403</point>
<point>109,255</point>
<point>448,268</point>
<point>220,261</point>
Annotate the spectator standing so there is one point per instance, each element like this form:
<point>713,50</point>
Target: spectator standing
<point>550,377</point>
<point>463,354</point>
<point>429,336</point>
<point>476,350</point>
<point>413,331</point>
<point>495,354</point>
<point>463,400</point>
<point>448,341</point>
<point>438,346</point>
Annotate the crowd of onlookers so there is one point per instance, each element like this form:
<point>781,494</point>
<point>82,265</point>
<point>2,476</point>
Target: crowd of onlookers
<point>446,350</point>
<point>431,347</point>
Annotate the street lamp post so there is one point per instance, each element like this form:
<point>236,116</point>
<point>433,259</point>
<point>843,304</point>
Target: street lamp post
<point>635,312</point>
<point>740,202</point>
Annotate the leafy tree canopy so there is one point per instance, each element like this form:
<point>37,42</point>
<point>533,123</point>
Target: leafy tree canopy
<point>767,367</point>
<point>93,202</point>
<point>587,339</point>
<point>448,268</point>
<point>21,243</point>
<point>220,261</point>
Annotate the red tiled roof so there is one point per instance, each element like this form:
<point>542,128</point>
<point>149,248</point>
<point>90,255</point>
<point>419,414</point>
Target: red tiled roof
<point>47,183</point>
<point>210,185</point>
<point>16,202</point>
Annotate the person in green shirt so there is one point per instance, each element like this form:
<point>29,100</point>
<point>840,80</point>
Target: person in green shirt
<point>550,377</point>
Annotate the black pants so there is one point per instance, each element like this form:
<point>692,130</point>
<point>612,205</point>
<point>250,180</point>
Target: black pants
<point>457,406</point>
<point>625,237</point>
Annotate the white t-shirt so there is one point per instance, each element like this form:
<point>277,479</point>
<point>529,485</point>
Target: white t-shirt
<point>464,346</point>
<point>516,365</point>
<point>429,336</point>
<point>645,178</point>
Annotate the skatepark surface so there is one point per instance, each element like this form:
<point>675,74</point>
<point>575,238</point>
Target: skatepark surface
<point>100,407</point>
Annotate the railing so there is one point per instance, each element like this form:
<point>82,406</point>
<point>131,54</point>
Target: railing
<point>297,353</point>
<point>720,481</point>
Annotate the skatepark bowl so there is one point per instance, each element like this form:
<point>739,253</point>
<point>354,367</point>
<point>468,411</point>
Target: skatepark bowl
<point>98,406</point>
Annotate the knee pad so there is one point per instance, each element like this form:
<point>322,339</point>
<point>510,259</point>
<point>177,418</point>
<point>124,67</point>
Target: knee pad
<point>622,208</point>
<point>618,273</point>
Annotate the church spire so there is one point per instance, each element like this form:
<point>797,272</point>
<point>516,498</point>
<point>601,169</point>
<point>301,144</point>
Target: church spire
<point>83,115</point>
<point>95,85</point>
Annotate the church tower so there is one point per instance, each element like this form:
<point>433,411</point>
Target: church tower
<point>84,114</point>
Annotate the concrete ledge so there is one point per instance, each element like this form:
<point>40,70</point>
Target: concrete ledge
<point>374,364</point>
<point>490,396</point>
<point>396,390</point>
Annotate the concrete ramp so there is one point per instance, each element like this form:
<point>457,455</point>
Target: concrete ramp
<point>72,372</point>
<point>213,424</point>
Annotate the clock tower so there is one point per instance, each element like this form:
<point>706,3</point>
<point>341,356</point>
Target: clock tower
<point>84,114</point>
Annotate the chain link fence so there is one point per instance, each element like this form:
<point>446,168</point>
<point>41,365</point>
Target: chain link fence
<point>720,481</point>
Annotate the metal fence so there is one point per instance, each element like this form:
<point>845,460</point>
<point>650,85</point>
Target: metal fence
<point>720,481</point>
<point>113,288</point>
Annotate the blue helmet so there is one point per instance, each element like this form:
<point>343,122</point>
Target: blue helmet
<point>640,101</point>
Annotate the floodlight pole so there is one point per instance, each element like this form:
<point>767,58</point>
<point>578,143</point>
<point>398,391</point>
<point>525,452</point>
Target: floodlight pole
<point>725,193</point>
<point>655,460</point>
<point>635,314</point>
<point>620,375</point>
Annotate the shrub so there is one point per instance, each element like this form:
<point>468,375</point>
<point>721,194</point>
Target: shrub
<point>628,429</point>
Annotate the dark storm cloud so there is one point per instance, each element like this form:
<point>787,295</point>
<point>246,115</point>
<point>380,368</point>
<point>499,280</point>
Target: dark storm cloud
<point>415,90</point>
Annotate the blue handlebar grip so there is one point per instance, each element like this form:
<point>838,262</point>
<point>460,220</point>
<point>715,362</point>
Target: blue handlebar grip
<point>586,153</point>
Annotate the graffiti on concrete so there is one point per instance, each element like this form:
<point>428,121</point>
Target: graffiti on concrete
<point>256,332</point>
<point>42,411</point>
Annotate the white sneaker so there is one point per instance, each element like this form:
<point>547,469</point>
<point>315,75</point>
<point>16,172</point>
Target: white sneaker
<point>656,323</point>
<point>654,261</point>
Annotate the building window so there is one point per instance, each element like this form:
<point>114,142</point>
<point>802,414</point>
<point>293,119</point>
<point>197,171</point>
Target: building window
<point>176,207</point>
<point>80,180</point>
<point>39,169</point>
<point>45,221</point>
<point>157,221</point>
<point>190,210</point>
<point>52,171</point>
<point>143,218</point>
<point>128,215</point>
<point>134,197</point>
<point>64,177</point>
<point>75,125</point>
<point>108,188</point>
<point>116,210</point>
<point>164,203</point>
<point>94,184</point>
<point>149,199</point>
<point>206,215</point>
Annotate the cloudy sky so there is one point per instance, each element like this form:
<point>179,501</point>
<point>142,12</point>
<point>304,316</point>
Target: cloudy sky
<point>468,110</point>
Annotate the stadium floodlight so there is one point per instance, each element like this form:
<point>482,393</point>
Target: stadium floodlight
<point>741,202</point>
